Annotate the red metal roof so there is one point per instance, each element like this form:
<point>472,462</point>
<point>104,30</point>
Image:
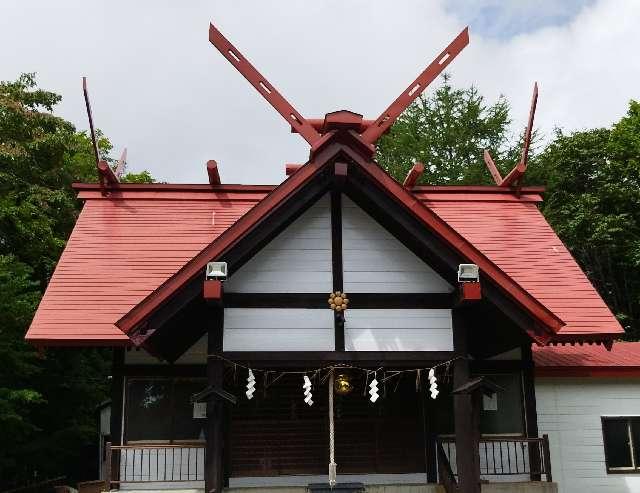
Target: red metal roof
<point>126,245</point>
<point>588,360</point>
<point>121,249</point>
<point>516,237</point>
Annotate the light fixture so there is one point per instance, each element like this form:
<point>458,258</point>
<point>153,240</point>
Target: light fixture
<point>342,384</point>
<point>216,271</point>
<point>468,273</point>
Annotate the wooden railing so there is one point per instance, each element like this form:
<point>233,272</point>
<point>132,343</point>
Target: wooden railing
<point>445,473</point>
<point>522,459</point>
<point>153,463</point>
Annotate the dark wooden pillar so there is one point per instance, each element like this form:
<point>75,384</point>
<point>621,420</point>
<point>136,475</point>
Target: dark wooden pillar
<point>429,434</point>
<point>530,409</point>
<point>117,401</point>
<point>466,423</point>
<point>336,262</point>
<point>214,434</point>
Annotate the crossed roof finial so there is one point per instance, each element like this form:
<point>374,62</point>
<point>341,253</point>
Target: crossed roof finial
<point>315,131</point>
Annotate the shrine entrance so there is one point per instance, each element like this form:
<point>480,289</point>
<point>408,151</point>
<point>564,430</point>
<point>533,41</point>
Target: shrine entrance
<point>277,434</point>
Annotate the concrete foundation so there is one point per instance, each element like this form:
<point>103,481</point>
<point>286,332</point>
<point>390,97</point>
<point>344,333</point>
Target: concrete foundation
<point>528,487</point>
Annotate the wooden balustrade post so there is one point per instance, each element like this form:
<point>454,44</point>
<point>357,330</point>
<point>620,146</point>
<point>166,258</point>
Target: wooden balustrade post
<point>107,472</point>
<point>530,412</point>
<point>547,457</point>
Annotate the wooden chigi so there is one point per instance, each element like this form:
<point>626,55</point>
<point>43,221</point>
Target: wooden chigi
<point>272,374</point>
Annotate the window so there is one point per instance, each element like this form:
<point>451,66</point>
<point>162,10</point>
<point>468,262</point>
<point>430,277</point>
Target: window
<point>503,413</point>
<point>621,444</point>
<point>160,410</point>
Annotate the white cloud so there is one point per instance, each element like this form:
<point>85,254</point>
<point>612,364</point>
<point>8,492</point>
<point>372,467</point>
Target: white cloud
<point>159,88</point>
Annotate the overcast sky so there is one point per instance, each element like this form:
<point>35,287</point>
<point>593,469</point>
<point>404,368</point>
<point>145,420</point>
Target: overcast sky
<point>160,89</point>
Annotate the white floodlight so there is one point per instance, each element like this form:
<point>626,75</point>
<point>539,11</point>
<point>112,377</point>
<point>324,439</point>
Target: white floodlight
<point>468,273</point>
<point>217,271</point>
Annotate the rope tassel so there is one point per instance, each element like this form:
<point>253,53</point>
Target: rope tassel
<point>332,462</point>
<point>308,396</point>
<point>251,385</point>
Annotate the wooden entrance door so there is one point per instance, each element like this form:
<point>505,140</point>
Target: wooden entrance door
<point>277,434</point>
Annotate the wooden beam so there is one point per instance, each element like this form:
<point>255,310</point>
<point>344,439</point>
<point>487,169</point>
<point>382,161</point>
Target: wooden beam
<point>514,175</point>
<point>340,173</point>
<point>524,158</point>
<point>162,371</point>
<point>493,169</point>
<point>466,426</point>
<point>214,431</point>
<point>306,359</point>
<point>212,290</point>
<point>517,173</point>
<point>336,254</point>
<point>429,433</point>
<point>117,401</point>
<point>121,164</point>
<point>94,140</point>
<point>470,292</point>
<point>428,75</point>
<point>262,85</point>
<point>291,168</point>
<point>212,172</point>
<point>106,175</point>
<point>530,409</point>
<point>398,301</point>
<point>413,175</point>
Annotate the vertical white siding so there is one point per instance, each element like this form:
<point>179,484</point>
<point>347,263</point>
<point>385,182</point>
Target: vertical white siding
<point>569,411</point>
<point>376,262</point>
<point>278,329</point>
<point>298,260</point>
<point>398,330</point>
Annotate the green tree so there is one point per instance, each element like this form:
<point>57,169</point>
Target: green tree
<point>448,132</point>
<point>46,403</point>
<point>593,203</point>
<point>592,179</point>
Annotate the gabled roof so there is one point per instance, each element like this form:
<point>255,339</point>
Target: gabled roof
<point>129,251</point>
<point>368,179</point>
<point>588,360</point>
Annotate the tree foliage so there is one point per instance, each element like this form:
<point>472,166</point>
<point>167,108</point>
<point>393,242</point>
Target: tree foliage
<point>592,179</point>
<point>593,202</point>
<point>448,131</point>
<point>46,404</point>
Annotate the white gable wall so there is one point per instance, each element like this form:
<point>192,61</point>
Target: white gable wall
<point>298,260</point>
<point>398,330</point>
<point>278,329</point>
<point>569,411</point>
<point>374,261</point>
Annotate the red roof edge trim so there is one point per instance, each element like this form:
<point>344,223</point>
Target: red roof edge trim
<point>539,312</point>
<point>475,189</point>
<point>581,371</point>
<point>181,187</point>
<point>580,339</point>
<point>62,343</point>
<point>225,241</point>
<point>229,187</point>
